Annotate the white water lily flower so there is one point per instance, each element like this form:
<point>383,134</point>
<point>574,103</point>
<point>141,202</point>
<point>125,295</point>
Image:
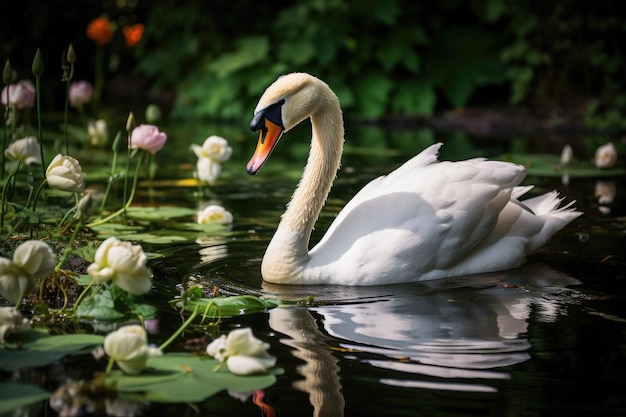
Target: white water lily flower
<point>32,261</point>
<point>65,173</point>
<point>605,156</point>
<point>214,148</point>
<point>214,214</point>
<point>567,154</point>
<point>26,150</point>
<point>98,132</point>
<point>243,353</point>
<point>208,170</point>
<point>605,191</point>
<point>124,264</point>
<point>11,321</point>
<point>128,347</point>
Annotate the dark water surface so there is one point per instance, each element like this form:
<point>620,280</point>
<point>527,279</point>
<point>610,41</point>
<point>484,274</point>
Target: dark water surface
<point>547,339</point>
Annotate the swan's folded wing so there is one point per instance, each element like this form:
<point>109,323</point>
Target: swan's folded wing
<point>439,211</point>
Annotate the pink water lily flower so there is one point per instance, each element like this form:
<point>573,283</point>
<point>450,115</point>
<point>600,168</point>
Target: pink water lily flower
<point>147,137</point>
<point>20,95</point>
<point>80,93</point>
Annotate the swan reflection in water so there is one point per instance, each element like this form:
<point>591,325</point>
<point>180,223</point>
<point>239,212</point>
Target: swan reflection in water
<point>452,334</point>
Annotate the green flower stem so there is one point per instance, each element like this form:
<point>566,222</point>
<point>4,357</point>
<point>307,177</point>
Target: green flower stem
<point>68,248</point>
<point>130,198</point>
<point>43,184</point>
<point>5,188</point>
<point>67,102</point>
<point>112,175</point>
<point>127,166</point>
<point>109,366</point>
<point>180,329</point>
<point>39,128</point>
<point>6,134</point>
<point>81,296</point>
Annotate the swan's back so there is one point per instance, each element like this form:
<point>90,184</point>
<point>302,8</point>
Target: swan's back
<point>438,219</point>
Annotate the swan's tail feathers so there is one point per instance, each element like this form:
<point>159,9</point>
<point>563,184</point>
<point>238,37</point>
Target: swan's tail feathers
<point>520,191</point>
<point>555,216</point>
<point>428,156</point>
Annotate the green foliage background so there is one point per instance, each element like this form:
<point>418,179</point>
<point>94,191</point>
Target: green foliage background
<point>392,57</point>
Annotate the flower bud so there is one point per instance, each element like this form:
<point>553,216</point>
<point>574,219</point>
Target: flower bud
<point>38,63</point>
<point>7,73</point>
<point>80,93</point>
<point>71,54</point>
<point>65,173</point>
<point>128,347</point>
<point>147,137</point>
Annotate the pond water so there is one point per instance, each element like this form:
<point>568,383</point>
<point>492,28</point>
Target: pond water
<point>545,339</point>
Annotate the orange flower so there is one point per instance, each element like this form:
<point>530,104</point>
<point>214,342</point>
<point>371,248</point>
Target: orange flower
<point>133,34</point>
<point>100,31</point>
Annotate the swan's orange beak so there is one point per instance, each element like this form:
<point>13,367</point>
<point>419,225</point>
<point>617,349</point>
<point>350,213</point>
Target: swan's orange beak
<point>269,134</point>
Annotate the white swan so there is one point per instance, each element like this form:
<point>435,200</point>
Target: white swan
<point>425,220</point>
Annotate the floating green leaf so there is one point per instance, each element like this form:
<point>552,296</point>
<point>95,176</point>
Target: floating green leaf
<point>39,349</point>
<point>548,165</point>
<point>14,395</point>
<point>227,306</point>
<point>181,378</point>
<point>159,212</point>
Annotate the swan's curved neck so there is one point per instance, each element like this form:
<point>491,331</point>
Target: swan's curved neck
<point>288,251</point>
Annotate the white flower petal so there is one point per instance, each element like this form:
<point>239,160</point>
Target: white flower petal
<point>248,365</point>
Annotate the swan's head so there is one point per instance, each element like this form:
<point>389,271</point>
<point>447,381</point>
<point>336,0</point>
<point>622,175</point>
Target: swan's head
<point>288,101</point>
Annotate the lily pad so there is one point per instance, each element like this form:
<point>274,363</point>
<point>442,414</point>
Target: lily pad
<point>36,349</point>
<point>159,212</point>
<point>181,378</point>
<point>227,306</point>
<point>548,165</point>
<point>14,395</point>
<point>166,233</point>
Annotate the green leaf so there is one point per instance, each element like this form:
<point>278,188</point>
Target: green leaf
<point>159,212</point>
<point>39,349</point>
<point>228,306</point>
<point>249,51</point>
<point>373,91</point>
<point>298,52</point>
<point>14,395</point>
<point>100,306</point>
<point>181,378</point>
<point>548,165</point>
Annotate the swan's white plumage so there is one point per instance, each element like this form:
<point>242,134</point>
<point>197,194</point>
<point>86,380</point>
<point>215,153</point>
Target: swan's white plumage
<point>425,220</point>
